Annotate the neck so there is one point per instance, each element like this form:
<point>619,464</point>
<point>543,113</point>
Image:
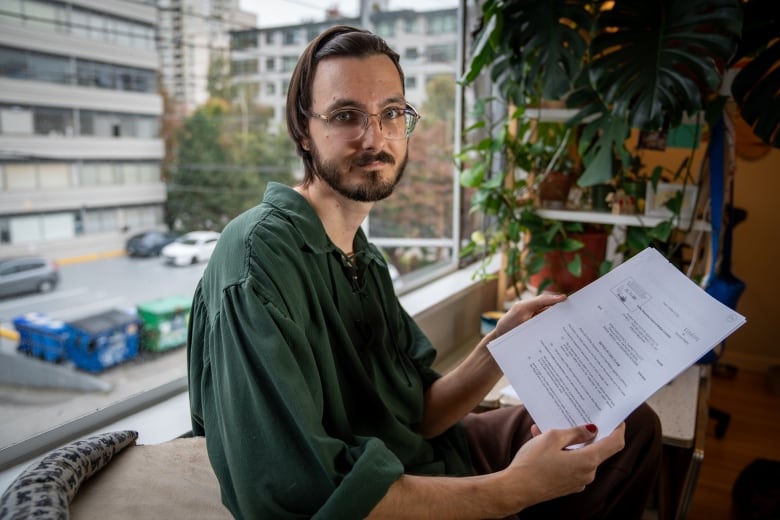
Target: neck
<point>341,217</point>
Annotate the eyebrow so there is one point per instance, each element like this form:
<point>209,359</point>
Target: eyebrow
<point>343,102</point>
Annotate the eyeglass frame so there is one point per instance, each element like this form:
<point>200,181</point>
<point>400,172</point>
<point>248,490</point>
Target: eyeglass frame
<point>406,110</point>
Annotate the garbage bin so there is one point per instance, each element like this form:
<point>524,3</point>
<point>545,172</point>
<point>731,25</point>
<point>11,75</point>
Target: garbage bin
<point>41,336</point>
<point>164,323</point>
<point>103,340</point>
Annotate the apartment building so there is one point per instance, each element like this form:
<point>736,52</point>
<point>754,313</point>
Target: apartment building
<point>80,115</point>
<point>262,59</point>
<point>193,37</point>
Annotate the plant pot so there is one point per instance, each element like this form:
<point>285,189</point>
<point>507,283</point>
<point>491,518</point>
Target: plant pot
<point>555,268</point>
<point>598,196</point>
<point>554,189</point>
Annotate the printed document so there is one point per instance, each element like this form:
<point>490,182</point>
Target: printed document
<point>599,354</point>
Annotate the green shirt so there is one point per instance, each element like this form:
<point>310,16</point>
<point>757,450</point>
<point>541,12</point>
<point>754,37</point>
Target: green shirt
<point>306,380</point>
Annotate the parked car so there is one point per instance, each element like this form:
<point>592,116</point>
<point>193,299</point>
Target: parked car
<point>28,274</point>
<point>149,243</point>
<point>191,248</point>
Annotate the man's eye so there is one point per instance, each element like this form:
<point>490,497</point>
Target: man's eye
<point>392,113</point>
<point>346,117</point>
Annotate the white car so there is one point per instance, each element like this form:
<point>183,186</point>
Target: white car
<point>191,248</point>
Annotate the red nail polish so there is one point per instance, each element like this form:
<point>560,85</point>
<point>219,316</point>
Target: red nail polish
<point>591,428</point>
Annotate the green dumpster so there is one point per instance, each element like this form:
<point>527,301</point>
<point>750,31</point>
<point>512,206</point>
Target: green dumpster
<point>164,322</point>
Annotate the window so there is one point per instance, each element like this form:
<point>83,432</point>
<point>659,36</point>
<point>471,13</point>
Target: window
<point>418,228</point>
<point>243,67</point>
<point>288,63</point>
<point>243,40</point>
<point>291,37</point>
<point>410,25</point>
<point>385,28</point>
<point>45,67</point>
<point>16,120</point>
<point>411,53</point>
<point>443,23</point>
<point>53,121</point>
<point>441,53</point>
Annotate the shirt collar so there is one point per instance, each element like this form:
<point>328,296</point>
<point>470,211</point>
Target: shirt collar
<point>308,224</point>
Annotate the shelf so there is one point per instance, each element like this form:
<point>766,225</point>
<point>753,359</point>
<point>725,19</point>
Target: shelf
<point>602,217</point>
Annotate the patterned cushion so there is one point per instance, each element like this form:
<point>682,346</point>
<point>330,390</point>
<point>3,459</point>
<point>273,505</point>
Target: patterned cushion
<point>45,489</point>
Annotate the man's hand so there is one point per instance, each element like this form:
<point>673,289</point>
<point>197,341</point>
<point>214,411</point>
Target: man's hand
<point>556,471</point>
<point>525,310</point>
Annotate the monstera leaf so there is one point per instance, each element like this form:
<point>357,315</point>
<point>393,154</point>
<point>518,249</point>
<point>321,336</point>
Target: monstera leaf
<point>655,60</point>
<point>756,88</point>
<point>533,49</point>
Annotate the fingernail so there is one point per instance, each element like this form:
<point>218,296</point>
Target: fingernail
<point>591,428</point>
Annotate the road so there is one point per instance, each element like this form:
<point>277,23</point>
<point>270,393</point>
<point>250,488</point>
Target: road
<point>87,289</point>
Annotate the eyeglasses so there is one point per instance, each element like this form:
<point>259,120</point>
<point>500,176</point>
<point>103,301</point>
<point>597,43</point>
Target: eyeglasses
<point>349,124</point>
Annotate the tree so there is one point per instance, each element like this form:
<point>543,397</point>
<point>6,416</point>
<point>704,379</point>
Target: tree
<point>222,169</point>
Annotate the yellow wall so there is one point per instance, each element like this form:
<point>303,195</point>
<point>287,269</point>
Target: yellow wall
<point>756,247</point>
<point>756,260</point>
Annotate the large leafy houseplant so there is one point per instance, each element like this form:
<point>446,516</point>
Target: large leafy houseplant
<point>624,64</point>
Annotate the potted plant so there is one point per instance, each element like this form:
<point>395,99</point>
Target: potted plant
<point>536,251</point>
<point>620,65</point>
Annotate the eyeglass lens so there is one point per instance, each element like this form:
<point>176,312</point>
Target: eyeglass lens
<point>350,124</point>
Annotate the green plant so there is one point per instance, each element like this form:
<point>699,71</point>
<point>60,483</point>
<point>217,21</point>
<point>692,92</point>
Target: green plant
<point>524,148</point>
<point>640,63</point>
<point>621,65</point>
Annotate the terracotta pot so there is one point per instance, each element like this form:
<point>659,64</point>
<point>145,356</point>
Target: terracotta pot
<point>563,281</point>
<point>554,189</point>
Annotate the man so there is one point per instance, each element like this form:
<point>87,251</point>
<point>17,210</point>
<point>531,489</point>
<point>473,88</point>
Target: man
<point>313,386</point>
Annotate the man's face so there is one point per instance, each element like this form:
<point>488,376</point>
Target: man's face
<point>366,169</point>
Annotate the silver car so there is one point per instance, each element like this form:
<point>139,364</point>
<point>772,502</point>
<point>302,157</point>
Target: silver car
<point>28,274</point>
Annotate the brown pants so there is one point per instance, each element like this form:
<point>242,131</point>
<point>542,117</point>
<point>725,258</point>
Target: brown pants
<point>623,482</point>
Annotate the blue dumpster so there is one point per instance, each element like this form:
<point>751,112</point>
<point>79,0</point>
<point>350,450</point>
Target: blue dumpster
<point>42,337</point>
<point>103,340</point>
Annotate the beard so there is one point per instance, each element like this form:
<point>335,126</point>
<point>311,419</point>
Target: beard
<point>372,187</point>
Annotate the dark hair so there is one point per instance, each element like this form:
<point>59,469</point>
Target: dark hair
<point>340,40</point>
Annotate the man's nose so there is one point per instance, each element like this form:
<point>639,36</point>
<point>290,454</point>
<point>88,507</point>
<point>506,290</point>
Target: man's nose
<point>373,135</point>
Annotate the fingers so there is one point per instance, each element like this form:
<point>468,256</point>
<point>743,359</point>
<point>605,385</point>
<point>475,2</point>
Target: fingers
<point>525,310</point>
<point>577,435</point>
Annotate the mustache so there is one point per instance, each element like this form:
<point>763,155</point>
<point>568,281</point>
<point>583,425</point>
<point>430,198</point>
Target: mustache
<point>367,158</point>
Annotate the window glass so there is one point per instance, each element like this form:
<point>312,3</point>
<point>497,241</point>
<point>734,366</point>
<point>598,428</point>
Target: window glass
<point>416,227</point>
<point>20,176</point>
<point>13,63</point>
<point>44,67</point>
<point>58,226</point>
<point>16,120</point>
<point>291,37</point>
<point>53,175</point>
<point>53,121</point>
<point>288,63</point>
<point>385,28</point>
<point>40,14</point>
<point>25,229</point>
<point>410,25</point>
<point>11,10</point>
<point>146,127</point>
<point>149,173</point>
